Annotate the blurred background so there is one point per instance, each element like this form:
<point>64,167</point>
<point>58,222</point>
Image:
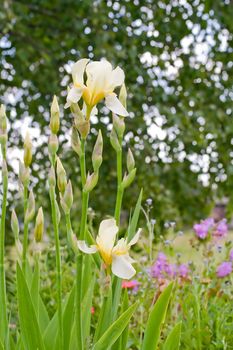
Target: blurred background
<point>178,59</point>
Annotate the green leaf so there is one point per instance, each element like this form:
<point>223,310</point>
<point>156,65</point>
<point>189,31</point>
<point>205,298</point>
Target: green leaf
<point>30,330</point>
<point>68,317</point>
<point>156,318</point>
<point>115,330</point>
<point>43,315</point>
<point>134,221</point>
<point>105,316</point>
<point>86,309</point>
<point>173,340</point>
<point>35,287</point>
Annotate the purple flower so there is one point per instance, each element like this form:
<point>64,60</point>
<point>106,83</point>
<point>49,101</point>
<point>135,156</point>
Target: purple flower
<point>221,229</point>
<point>183,270</point>
<point>224,269</point>
<point>203,228</point>
<point>231,255</point>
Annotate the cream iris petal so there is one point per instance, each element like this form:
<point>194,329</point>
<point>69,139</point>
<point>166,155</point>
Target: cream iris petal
<point>115,106</point>
<point>121,267</point>
<point>73,96</point>
<point>78,70</point>
<point>85,248</point>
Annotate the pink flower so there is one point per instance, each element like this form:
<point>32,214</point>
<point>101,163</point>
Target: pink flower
<point>130,285</point>
<point>224,269</point>
<point>221,229</point>
<point>203,228</point>
<point>231,255</point>
<point>183,270</point>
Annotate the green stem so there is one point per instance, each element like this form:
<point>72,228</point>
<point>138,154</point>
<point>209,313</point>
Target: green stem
<point>3,308</point>
<point>25,229</point>
<point>120,191</point>
<point>58,264</point>
<point>79,259</point>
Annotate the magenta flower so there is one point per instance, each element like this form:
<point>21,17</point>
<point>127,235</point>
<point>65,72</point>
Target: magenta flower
<point>224,269</point>
<point>221,229</point>
<point>183,270</point>
<point>231,255</point>
<point>203,228</point>
<point>134,284</point>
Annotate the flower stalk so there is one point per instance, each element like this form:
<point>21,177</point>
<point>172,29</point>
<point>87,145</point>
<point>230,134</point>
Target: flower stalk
<point>3,142</point>
<point>53,147</point>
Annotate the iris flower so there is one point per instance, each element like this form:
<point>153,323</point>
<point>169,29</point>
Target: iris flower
<point>116,256</point>
<point>100,83</point>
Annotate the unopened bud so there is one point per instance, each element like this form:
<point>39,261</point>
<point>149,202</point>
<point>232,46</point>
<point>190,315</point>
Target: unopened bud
<point>3,125</point>
<point>91,182</point>
<point>114,141</point>
<point>75,142</point>
<point>83,126</point>
<point>55,116</point>
<point>58,214</point>
<point>128,179</point>
<point>30,212</point>
<point>15,224</point>
<point>119,125</point>
<point>24,174</point>
<point>27,150</point>
<point>67,198</point>
<point>52,177</point>
<point>4,173</point>
<point>53,144</point>
<point>39,226</point>
<point>97,152</point>
<point>130,161</point>
<point>61,176</point>
<point>123,95</point>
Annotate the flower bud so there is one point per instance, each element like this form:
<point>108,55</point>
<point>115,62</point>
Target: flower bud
<point>97,152</point>
<point>39,226</point>
<point>83,127</point>
<point>52,177</point>
<point>3,119</point>
<point>61,176</point>
<point>91,182</point>
<point>67,199</point>
<point>3,125</point>
<point>4,174</point>
<point>119,125</point>
<point>128,179</point>
<point>58,212</point>
<point>123,95</point>
<point>55,116</point>
<point>30,212</point>
<point>53,144</point>
<point>130,161</point>
<point>24,174</point>
<point>15,224</point>
<point>75,142</point>
<point>27,150</point>
<point>114,141</point>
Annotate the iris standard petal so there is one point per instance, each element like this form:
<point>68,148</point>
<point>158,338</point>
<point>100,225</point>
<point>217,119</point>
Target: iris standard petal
<point>135,238</point>
<point>107,234</point>
<point>115,105</point>
<point>116,78</point>
<point>78,69</point>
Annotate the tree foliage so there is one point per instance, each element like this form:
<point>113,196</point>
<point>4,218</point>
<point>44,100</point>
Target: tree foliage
<point>177,56</point>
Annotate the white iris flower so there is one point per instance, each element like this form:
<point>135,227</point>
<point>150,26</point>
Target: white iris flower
<point>100,84</point>
<point>116,256</point>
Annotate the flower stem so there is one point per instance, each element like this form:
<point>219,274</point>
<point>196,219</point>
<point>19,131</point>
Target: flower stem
<point>3,309</point>
<point>79,259</point>
<point>25,229</point>
<point>58,263</point>
<point>120,191</point>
